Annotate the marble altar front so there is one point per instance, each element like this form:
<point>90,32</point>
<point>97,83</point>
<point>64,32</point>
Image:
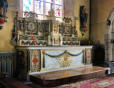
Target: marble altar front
<point>32,60</point>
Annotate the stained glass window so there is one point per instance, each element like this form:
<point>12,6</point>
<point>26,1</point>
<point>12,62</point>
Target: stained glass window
<point>38,7</point>
<point>27,5</point>
<point>47,8</point>
<point>58,10</point>
<point>41,7</point>
<point>40,17</point>
<point>59,2</point>
<point>48,0</point>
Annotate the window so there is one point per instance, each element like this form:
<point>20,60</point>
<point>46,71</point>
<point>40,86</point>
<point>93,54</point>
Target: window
<point>27,5</point>
<point>41,7</point>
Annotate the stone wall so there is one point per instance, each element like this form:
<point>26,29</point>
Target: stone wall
<point>109,38</point>
<point>6,32</point>
<point>100,10</point>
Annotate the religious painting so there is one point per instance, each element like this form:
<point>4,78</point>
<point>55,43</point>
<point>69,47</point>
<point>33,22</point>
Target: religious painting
<point>25,25</point>
<point>83,20</point>
<point>43,28</point>
<point>67,30</point>
<point>20,25</point>
<point>32,27</point>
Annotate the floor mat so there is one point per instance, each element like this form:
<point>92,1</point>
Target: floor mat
<point>107,82</point>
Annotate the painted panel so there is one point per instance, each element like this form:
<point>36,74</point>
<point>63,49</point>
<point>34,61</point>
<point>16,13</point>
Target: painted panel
<point>88,56</point>
<point>34,60</point>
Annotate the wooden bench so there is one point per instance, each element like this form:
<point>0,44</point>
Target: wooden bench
<point>56,78</point>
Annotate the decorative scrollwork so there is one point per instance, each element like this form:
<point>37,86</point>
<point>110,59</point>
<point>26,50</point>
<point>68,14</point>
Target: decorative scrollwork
<point>30,14</point>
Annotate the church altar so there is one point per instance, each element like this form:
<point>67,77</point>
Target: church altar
<point>47,45</point>
<point>31,60</point>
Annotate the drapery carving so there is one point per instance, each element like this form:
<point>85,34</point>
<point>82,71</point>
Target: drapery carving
<point>62,58</point>
<point>62,53</point>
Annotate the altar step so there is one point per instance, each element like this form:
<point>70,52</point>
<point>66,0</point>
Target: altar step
<point>68,76</point>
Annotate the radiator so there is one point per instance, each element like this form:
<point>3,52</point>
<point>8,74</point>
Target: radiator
<point>6,63</point>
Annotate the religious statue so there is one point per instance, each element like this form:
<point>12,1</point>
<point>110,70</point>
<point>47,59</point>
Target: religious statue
<point>83,19</point>
<point>51,15</point>
<point>3,11</point>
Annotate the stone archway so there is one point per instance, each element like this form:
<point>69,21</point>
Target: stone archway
<point>109,38</point>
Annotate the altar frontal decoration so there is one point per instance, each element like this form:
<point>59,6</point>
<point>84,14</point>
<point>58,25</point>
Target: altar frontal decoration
<point>3,11</point>
<point>60,59</point>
